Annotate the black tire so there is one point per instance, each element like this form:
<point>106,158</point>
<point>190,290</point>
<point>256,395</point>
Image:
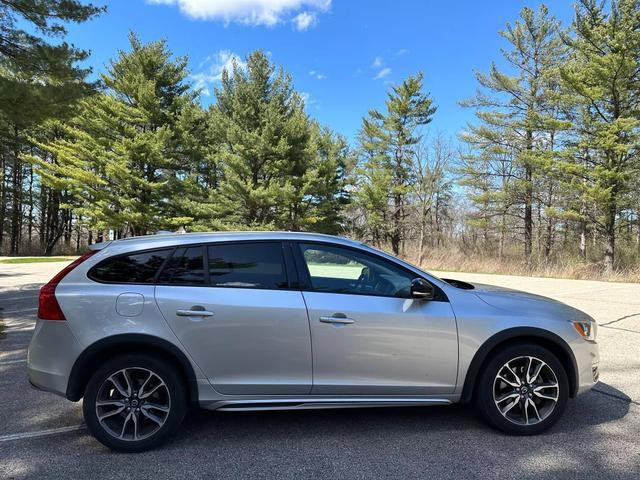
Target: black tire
<point>173,399</point>
<point>484,395</point>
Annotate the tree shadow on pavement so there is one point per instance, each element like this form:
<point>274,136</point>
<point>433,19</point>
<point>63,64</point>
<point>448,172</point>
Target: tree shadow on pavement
<point>589,440</point>
<point>595,439</point>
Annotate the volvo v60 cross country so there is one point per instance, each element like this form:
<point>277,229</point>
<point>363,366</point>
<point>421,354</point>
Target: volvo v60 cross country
<point>140,328</point>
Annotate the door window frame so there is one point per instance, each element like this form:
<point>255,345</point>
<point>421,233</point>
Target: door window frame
<point>290,274</point>
<point>305,276</point>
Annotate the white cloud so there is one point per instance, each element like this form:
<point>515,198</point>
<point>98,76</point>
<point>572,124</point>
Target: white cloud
<point>214,66</point>
<point>308,100</point>
<point>252,12</point>
<point>200,82</point>
<point>377,62</point>
<point>304,20</point>
<point>317,75</point>
<point>402,51</point>
<point>385,72</point>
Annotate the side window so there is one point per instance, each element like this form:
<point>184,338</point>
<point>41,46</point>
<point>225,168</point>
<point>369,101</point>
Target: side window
<point>185,267</point>
<point>134,268</point>
<point>342,270</point>
<point>247,265</point>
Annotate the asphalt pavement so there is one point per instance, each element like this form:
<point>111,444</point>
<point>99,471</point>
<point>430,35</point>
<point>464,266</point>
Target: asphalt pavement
<point>43,436</point>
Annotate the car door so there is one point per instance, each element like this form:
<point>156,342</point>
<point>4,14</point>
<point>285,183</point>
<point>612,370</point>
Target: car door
<point>231,307</point>
<point>369,337</point>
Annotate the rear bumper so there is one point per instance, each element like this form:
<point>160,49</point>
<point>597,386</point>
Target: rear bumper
<point>52,352</point>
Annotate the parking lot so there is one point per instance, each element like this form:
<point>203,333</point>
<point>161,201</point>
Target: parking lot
<point>43,436</point>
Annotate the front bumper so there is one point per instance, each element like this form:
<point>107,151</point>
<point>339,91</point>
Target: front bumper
<point>52,352</point>
<point>587,357</point>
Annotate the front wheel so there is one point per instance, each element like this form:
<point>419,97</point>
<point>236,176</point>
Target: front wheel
<point>134,402</point>
<point>522,390</point>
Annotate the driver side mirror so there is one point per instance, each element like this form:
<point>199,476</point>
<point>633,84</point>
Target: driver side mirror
<point>422,289</point>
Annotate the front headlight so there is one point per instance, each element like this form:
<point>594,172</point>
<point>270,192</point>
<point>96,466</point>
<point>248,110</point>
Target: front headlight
<point>587,330</point>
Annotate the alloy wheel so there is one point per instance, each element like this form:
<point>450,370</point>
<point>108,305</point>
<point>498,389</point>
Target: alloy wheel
<point>133,403</point>
<point>526,390</point>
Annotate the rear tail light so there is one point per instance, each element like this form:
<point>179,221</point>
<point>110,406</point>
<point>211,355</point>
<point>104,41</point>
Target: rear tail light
<point>48,306</point>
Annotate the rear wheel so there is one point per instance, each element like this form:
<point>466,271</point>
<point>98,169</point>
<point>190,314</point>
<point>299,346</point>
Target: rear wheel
<point>522,390</point>
<point>134,402</point>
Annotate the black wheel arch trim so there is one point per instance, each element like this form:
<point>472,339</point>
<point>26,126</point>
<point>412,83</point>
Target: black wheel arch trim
<point>513,335</point>
<point>87,361</point>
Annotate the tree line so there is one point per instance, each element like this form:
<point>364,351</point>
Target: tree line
<point>549,169</point>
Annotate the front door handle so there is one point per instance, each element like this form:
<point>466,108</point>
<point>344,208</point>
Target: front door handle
<point>339,320</point>
<point>194,312</point>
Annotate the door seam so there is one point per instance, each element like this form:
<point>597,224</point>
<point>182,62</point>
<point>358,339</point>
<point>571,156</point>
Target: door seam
<point>313,372</point>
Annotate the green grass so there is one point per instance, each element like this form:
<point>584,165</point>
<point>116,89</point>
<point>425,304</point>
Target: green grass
<point>329,270</point>
<point>36,259</point>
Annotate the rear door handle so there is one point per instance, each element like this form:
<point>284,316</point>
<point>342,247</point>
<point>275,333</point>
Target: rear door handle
<point>194,313</point>
<point>337,320</point>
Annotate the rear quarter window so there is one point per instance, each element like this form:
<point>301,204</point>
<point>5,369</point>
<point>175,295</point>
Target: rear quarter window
<point>133,268</point>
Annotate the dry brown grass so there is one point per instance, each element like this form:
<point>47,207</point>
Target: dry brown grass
<point>454,260</point>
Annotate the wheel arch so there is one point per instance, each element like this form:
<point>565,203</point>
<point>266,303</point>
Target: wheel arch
<point>103,349</point>
<point>542,337</point>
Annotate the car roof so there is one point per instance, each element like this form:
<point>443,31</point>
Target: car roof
<point>171,239</point>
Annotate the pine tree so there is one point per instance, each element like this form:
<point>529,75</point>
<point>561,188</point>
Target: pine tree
<point>40,77</point>
<point>602,83</point>
<point>39,80</point>
<point>122,156</point>
<point>313,200</point>
<point>374,177</point>
<point>519,120</point>
<point>390,139</point>
<point>277,168</point>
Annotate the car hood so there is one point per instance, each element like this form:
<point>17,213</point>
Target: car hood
<point>526,304</point>
<point>492,292</point>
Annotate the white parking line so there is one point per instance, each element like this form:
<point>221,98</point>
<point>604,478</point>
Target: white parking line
<point>17,325</point>
<point>18,329</point>
<point>11,362</point>
<point>40,433</point>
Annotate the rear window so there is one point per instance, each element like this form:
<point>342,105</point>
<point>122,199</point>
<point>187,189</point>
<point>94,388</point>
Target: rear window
<point>135,268</point>
<point>247,265</point>
<point>185,267</point>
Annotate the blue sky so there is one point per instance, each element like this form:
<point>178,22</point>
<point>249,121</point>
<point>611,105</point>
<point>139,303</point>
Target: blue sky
<point>343,54</point>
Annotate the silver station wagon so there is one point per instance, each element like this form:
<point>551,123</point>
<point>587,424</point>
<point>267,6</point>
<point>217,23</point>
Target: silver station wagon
<point>143,327</point>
